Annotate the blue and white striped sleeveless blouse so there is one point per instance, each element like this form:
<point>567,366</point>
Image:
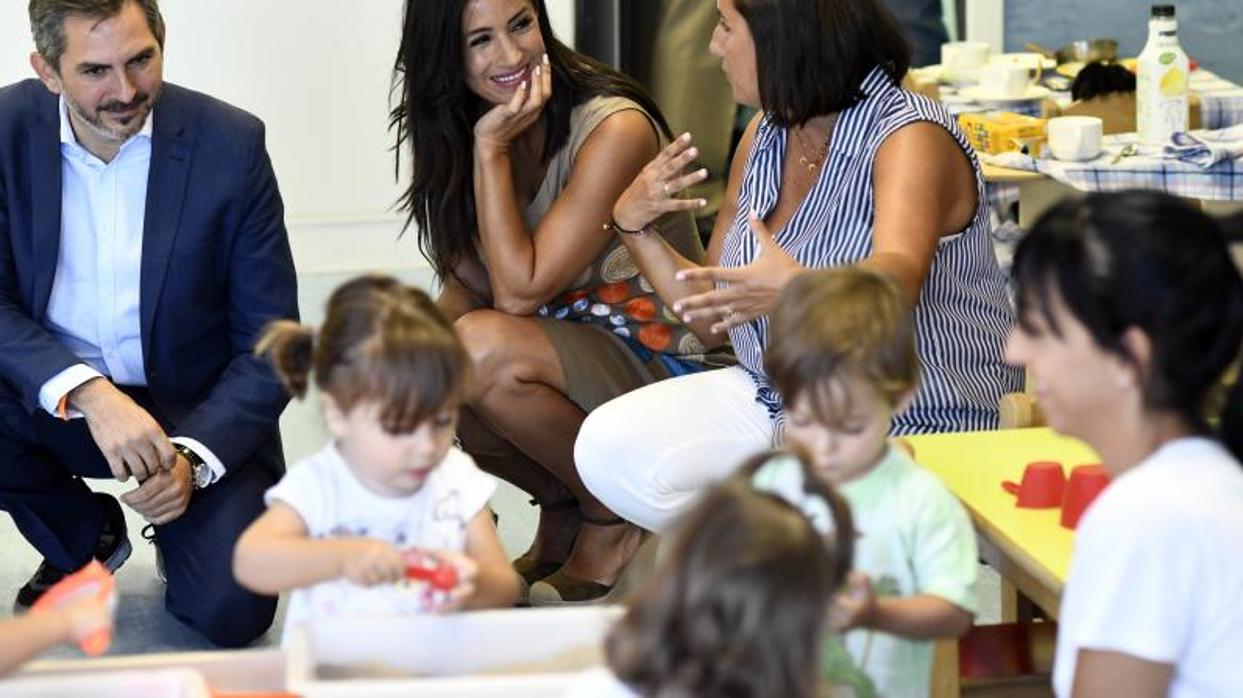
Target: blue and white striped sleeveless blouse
<point>963,313</point>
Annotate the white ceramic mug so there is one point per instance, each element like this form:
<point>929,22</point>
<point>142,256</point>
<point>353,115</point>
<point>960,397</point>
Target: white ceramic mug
<point>1034,61</point>
<point>962,58</point>
<point>1006,80</point>
<point>1074,138</point>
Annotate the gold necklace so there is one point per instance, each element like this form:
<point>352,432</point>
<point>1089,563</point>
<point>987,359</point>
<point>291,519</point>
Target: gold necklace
<point>804,159</point>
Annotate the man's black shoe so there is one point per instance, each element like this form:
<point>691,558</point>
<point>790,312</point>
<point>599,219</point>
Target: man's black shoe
<point>148,534</point>
<point>112,549</point>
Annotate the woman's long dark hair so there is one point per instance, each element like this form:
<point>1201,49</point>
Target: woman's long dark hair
<point>1150,261</point>
<point>436,114</point>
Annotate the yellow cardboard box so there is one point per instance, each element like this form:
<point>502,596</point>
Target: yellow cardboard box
<point>1000,131</point>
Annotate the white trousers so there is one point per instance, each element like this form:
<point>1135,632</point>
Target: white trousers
<point>649,453</point>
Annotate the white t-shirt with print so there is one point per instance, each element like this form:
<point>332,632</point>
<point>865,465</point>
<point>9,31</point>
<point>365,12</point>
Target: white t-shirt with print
<point>1157,571</point>
<point>334,503</point>
<point>914,538</point>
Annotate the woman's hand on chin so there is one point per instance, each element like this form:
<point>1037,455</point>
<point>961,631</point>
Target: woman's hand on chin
<point>502,124</point>
<point>654,192</point>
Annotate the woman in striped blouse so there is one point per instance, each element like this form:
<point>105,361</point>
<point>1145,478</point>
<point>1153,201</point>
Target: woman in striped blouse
<point>841,166</point>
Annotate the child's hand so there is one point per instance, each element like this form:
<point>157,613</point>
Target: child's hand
<point>369,562</point>
<point>467,573</point>
<point>86,617</point>
<point>853,606</point>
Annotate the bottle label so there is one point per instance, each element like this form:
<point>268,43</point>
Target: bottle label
<point>1173,83</point>
<point>1167,58</point>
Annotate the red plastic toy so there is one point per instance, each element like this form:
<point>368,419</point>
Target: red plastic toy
<point>424,567</point>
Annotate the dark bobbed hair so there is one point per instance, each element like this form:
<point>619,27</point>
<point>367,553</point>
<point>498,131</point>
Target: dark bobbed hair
<point>380,340</point>
<point>1150,261</point>
<point>835,324</point>
<point>811,56</point>
<point>436,111</point>
<point>738,606</point>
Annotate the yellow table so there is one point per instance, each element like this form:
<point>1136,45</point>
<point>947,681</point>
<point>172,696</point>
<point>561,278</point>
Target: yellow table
<point>1028,547</point>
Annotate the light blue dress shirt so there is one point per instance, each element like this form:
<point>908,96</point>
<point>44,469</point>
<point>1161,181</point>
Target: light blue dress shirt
<point>94,305</point>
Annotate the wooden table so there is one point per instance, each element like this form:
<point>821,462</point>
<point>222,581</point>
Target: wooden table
<point>1028,547</point>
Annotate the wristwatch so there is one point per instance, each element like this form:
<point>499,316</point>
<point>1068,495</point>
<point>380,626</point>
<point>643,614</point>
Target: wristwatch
<point>200,471</point>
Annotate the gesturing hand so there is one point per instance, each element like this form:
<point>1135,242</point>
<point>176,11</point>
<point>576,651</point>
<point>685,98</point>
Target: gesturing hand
<point>654,192</point>
<point>164,496</point>
<point>130,439</point>
<point>503,123</point>
<point>749,291</point>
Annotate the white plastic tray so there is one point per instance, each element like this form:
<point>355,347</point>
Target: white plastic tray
<point>514,653</point>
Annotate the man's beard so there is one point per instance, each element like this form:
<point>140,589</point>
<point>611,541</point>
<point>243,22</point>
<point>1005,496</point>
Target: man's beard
<point>101,128</point>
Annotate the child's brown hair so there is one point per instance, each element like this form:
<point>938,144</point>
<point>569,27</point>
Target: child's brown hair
<point>836,324</point>
<point>738,606</point>
<point>380,340</point>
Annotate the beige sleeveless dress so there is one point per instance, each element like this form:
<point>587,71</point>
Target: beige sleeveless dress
<point>611,331</point>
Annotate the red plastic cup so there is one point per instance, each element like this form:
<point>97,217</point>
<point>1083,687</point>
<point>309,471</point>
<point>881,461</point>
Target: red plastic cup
<point>1086,482</point>
<point>1042,487</point>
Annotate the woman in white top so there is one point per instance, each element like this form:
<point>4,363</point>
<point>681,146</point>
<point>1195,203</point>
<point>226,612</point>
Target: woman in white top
<point>1130,322</point>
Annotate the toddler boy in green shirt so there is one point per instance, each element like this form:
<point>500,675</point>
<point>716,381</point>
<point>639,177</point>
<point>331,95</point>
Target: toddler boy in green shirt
<point>842,354</point>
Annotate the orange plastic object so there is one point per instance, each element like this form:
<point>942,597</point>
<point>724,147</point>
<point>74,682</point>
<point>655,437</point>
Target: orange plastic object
<point>1085,483</point>
<point>92,580</point>
<point>1041,487</point>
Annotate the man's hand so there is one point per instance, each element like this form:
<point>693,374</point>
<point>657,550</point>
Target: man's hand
<point>165,495</point>
<point>130,438</point>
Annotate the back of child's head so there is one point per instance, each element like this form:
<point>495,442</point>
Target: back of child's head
<point>838,325</point>
<point>381,341</point>
<point>738,606</point>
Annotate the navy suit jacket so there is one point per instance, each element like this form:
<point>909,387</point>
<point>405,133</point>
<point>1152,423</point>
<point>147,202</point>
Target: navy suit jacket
<point>216,266</point>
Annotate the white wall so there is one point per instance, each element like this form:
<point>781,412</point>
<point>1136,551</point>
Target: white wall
<point>317,72</point>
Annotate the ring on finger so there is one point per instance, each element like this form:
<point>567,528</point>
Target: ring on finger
<point>665,186</point>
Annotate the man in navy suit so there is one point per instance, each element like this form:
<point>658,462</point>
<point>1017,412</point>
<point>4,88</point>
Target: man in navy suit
<point>142,250</point>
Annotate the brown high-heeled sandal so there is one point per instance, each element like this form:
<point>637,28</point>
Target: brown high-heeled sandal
<point>528,567</point>
<point>561,589</point>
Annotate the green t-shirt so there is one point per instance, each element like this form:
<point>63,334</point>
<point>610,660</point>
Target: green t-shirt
<point>914,538</point>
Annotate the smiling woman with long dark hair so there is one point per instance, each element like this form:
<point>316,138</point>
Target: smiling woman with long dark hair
<point>519,149</point>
